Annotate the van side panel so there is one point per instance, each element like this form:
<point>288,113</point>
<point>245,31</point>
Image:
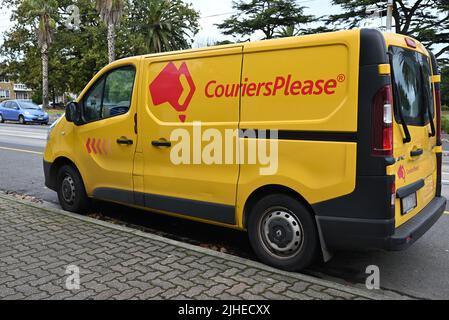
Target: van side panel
<point>307,91</point>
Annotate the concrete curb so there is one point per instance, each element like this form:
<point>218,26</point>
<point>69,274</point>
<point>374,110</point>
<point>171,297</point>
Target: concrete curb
<point>378,295</point>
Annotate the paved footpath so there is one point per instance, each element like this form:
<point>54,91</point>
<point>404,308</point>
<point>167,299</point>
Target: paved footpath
<point>37,245</point>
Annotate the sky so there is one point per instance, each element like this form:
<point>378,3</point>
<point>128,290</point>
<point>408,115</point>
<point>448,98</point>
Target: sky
<point>215,11</point>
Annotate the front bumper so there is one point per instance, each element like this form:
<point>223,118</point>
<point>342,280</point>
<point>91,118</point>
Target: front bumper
<point>49,180</point>
<point>36,119</point>
<point>345,233</point>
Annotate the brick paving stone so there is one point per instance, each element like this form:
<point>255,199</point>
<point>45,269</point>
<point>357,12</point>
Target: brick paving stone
<point>36,246</point>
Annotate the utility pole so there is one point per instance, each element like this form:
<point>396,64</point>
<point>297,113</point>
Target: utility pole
<point>389,15</point>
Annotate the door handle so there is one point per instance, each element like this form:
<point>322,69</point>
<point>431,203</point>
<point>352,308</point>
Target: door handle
<point>416,153</point>
<point>124,141</point>
<point>161,143</point>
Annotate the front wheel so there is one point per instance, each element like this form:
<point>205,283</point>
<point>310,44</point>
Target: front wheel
<point>71,192</point>
<point>1,119</point>
<point>282,232</point>
<point>22,120</point>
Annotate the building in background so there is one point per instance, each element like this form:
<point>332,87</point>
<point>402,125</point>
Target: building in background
<point>10,90</point>
<point>22,92</point>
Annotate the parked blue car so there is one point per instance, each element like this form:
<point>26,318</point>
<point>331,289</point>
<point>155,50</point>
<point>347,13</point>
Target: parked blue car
<point>22,111</point>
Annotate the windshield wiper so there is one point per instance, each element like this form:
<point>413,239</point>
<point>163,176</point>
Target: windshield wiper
<point>408,137</point>
<point>427,104</point>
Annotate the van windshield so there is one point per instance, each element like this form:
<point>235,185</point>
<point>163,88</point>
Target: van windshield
<point>412,86</point>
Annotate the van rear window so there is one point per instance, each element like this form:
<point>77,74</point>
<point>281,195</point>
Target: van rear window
<point>412,87</point>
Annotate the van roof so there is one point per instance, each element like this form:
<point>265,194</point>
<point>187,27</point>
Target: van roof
<point>390,39</point>
<point>278,42</point>
<point>394,39</point>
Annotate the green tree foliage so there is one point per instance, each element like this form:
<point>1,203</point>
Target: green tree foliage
<point>425,20</point>
<point>162,25</point>
<point>77,54</point>
<point>445,85</point>
<point>267,16</point>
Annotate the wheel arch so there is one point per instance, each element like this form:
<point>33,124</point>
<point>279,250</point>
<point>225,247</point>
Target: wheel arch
<point>270,189</point>
<point>56,165</point>
<point>275,188</point>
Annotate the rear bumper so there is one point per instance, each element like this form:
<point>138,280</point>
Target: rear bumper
<point>344,233</point>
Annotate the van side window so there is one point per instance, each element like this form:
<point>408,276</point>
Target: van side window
<point>92,102</point>
<point>117,92</point>
<point>110,96</point>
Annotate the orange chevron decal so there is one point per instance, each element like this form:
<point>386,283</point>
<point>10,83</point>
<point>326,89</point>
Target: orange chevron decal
<point>98,146</point>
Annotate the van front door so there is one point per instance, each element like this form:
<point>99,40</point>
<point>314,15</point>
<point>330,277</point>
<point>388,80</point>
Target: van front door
<point>185,117</point>
<point>106,142</point>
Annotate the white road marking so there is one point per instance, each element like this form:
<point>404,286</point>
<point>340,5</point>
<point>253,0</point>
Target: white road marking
<point>21,150</point>
<point>24,133</point>
<point>40,137</point>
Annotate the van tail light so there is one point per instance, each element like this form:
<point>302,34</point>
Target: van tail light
<point>438,112</point>
<point>382,123</point>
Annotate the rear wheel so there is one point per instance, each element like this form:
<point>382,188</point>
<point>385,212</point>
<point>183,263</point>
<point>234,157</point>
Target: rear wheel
<point>71,192</point>
<point>282,232</point>
<point>1,119</point>
<point>22,120</point>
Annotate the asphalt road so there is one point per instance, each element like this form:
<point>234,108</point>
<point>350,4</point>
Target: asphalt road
<point>421,271</point>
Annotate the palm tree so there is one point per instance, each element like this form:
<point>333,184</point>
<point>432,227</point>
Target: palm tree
<point>168,25</point>
<point>43,10</point>
<point>289,31</point>
<point>110,12</point>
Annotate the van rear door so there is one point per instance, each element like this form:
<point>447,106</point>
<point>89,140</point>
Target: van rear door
<point>414,131</point>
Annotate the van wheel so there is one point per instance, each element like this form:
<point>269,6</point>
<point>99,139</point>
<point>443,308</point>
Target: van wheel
<point>282,233</point>
<point>71,193</point>
<point>22,120</point>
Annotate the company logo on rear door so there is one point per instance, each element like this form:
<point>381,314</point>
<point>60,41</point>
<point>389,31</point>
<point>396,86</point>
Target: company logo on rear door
<point>401,172</point>
<point>174,86</point>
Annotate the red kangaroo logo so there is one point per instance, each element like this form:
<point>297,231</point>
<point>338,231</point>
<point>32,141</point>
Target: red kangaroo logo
<point>401,173</point>
<point>167,87</point>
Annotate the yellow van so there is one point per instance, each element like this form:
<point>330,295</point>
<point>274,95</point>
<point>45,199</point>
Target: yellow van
<point>352,117</point>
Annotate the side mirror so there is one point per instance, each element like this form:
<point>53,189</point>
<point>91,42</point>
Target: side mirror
<point>73,113</point>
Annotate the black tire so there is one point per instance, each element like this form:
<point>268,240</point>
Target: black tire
<point>71,192</point>
<point>1,119</point>
<point>22,120</point>
<point>289,225</point>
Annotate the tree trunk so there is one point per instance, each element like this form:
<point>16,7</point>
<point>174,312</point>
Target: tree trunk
<point>111,42</point>
<point>44,78</point>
